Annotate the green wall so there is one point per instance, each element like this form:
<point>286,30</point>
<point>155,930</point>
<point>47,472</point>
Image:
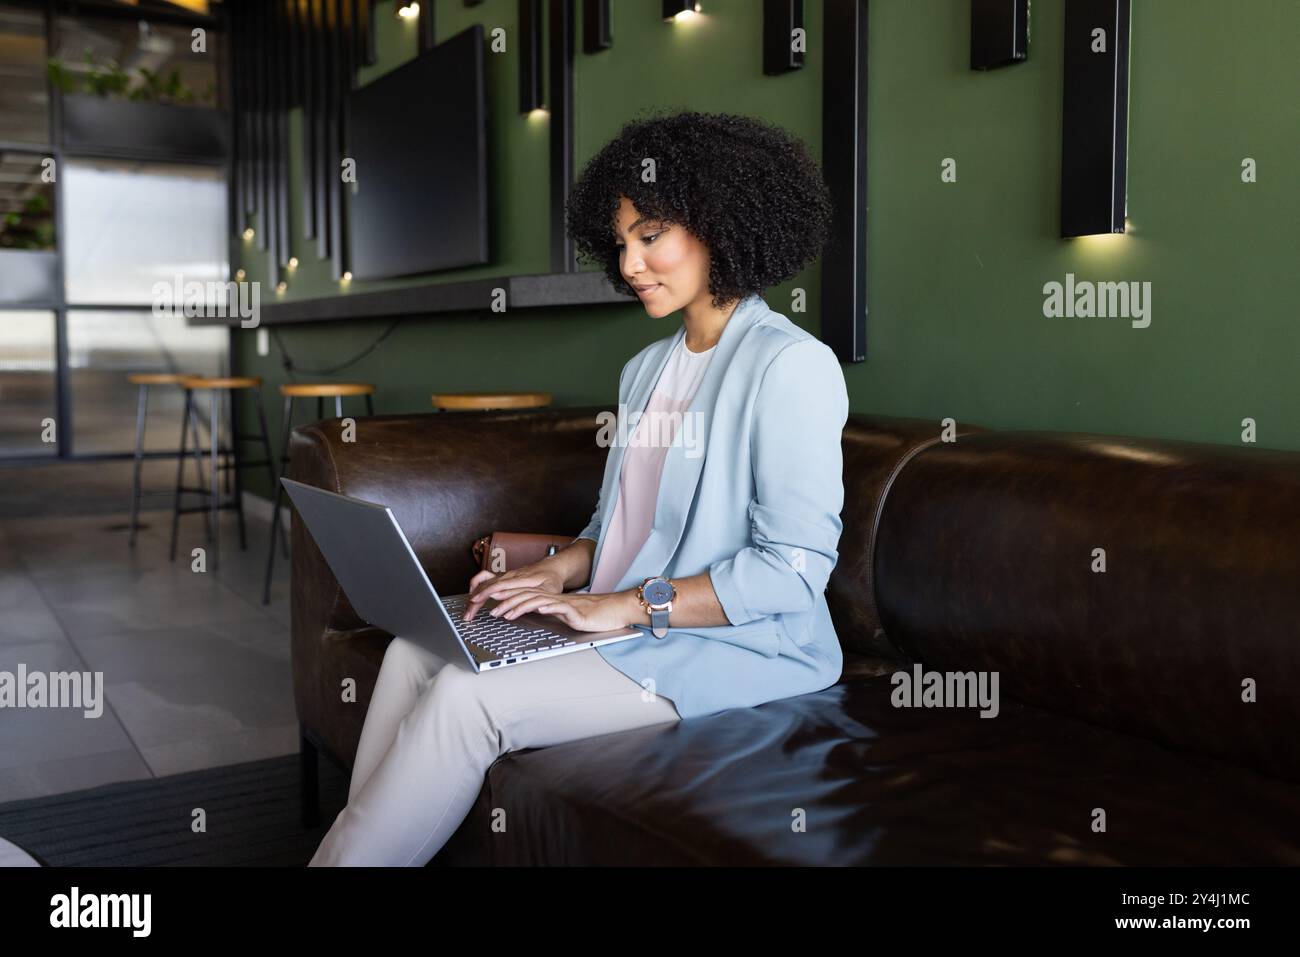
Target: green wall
<point>956,270</point>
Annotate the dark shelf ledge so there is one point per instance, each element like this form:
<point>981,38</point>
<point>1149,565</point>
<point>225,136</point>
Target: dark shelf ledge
<point>522,292</point>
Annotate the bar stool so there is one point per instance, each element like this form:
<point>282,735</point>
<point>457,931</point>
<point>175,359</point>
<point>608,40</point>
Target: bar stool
<point>216,386</point>
<point>143,381</point>
<point>291,391</point>
<point>482,401</point>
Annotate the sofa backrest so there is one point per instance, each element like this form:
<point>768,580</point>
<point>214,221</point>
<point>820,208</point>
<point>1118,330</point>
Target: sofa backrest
<point>449,478</point>
<point>972,555</point>
<point>989,557</point>
<point>876,450</point>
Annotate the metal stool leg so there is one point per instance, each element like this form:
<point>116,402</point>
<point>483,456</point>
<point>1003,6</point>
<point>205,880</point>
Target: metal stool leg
<point>265,435</point>
<point>198,466</point>
<point>214,489</point>
<point>286,427</point>
<point>282,463</point>
<point>186,420</point>
<point>141,411</point>
<point>231,456</point>
<point>239,482</point>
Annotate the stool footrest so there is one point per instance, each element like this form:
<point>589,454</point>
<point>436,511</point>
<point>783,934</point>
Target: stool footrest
<point>206,508</point>
<point>226,466</point>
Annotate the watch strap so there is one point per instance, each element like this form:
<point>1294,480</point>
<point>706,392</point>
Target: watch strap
<point>659,621</point>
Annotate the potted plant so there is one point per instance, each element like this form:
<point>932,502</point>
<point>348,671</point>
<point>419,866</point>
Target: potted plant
<point>113,111</point>
<point>28,267</point>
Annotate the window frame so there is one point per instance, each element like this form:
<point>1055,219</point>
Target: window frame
<point>59,305</point>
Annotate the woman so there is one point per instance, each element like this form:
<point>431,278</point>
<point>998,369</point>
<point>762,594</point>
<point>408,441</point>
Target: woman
<point>716,532</point>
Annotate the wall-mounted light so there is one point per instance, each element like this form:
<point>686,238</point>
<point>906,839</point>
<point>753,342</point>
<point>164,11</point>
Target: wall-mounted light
<point>595,26</point>
<point>999,33</point>
<point>406,11</point>
<point>293,262</point>
<point>1094,117</point>
<point>680,9</point>
<point>530,55</point>
<point>249,234</point>
<point>281,286</point>
<point>781,18</point>
<point>347,277</point>
<point>240,275</point>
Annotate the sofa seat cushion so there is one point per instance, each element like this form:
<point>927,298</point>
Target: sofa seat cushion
<point>874,784</point>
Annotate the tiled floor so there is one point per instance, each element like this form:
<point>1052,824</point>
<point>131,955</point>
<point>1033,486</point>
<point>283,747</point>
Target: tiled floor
<point>196,670</point>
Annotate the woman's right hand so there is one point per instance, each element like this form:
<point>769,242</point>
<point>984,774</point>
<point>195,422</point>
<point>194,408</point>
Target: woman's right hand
<point>539,576</point>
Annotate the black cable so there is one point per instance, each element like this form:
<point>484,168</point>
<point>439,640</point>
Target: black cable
<point>290,367</point>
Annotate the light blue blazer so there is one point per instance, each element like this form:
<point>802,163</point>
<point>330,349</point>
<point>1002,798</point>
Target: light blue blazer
<point>754,498</point>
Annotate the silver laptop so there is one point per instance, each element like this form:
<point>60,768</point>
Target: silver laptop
<point>373,561</point>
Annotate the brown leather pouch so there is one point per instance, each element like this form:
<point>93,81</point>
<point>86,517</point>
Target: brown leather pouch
<point>503,551</point>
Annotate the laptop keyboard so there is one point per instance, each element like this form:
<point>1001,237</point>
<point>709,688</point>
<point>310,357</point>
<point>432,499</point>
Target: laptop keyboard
<point>501,639</point>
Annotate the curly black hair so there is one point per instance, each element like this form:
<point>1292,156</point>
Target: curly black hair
<point>745,188</point>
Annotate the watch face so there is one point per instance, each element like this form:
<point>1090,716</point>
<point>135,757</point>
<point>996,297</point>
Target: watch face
<point>657,591</point>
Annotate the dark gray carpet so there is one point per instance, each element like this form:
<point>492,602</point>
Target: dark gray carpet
<point>253,819</point>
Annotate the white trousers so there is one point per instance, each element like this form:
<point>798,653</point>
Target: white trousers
<point>433,729</point>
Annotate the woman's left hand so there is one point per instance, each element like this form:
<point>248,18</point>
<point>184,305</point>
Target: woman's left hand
<point>578,610</point>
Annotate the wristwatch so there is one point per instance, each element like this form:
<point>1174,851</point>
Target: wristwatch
<point>656,595</point>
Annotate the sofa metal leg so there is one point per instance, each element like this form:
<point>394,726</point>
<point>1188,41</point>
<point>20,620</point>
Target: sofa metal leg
<point>309,773</point>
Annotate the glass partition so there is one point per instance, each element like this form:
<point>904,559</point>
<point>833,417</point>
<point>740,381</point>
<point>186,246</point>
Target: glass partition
<point>26,202</point>
<point>103,347</point>
<point>129,225</point>
<point>135,59</point>
<point>24,97</point>
<point>81,257</point>
<point>28,391</point>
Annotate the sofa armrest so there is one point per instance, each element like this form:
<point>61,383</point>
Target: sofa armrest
<point>449,478</point>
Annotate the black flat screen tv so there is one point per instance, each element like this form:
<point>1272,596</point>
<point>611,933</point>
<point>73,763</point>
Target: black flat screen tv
<point>419,138</point>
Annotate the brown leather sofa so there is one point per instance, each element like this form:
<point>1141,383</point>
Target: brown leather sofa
<point>1122,735</point>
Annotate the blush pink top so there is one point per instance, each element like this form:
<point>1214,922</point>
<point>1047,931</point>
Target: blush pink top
<point>643,464</point>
